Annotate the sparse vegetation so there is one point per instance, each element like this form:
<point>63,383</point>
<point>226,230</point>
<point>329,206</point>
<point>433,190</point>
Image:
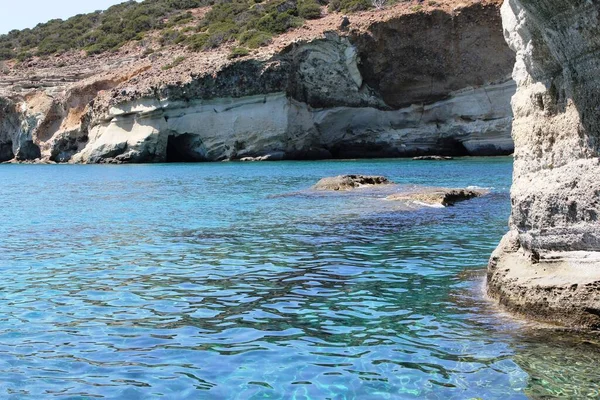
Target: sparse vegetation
<point>248,23</point>
<point>197,42</point>
<point>171,36</point>
<point>180,19</point>
<point>147,52</point>
<point>97,32</point>
<point>349,5</point>
<point>237,52</point>
<point>174,63</point>
<point>309,9</point>
<point>254,39</point>
<point>378,4</point>
<point>251,22</point>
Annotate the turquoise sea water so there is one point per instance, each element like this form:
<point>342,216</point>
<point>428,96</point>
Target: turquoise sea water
<point>231,281</point>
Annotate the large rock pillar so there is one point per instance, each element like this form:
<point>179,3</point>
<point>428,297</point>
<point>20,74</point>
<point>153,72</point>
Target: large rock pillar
<point>548,266</point>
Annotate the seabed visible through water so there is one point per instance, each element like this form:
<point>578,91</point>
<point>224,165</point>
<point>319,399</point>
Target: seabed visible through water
<point>197,281</point>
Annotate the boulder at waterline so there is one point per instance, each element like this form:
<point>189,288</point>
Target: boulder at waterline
<point>438,196</point>
<point>349,182</point>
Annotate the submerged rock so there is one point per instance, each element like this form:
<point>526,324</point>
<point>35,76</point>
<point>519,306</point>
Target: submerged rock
<point>439,196</point>
<point>349,182</point>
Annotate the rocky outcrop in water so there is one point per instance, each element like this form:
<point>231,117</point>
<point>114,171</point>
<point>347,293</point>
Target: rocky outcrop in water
<point>438,196</point>
<point>443,89</point>
<point>349,182</point>
<point>548,266</point>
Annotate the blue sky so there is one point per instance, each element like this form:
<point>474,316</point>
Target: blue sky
<point>20,14</point>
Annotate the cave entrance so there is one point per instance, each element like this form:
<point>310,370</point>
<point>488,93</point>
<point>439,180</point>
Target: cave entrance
<point>184,148</point>
<point>6,152</point>
<point>451,147</point>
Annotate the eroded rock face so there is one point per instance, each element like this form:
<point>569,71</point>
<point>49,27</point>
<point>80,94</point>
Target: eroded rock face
<point>548,266</point>
<point>52,127</point>
<point>420,58</point>
<point>19,126</point>
<point>336,96</point>
<point>9,124</point>
<point>349,182</point>
<point>256,126</point>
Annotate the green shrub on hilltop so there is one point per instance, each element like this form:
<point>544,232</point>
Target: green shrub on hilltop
<point>6,53</point>
<point>350,5</point>
<point>180,19</point>
<point>219,33</point>
<point>252,23</point>
<point>309,9</point>
<point>197,42</point>
<point>238,52</point>
<point>279,22</point>
<point>23,56</point>
<point>171,36</point>
<point>255,39</point>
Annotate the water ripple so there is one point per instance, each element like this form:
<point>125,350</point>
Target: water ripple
<point>201,281</point>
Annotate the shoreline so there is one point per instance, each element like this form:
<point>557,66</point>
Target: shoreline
<point>374,159</point>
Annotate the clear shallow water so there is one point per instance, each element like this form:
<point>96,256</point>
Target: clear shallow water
<point>203,281</point>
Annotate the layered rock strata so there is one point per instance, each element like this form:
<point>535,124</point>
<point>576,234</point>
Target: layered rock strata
<point>424,83</point>
<point>548,265</point>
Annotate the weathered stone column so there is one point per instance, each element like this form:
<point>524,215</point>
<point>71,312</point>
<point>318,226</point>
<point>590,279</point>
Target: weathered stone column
<point>548,266</point>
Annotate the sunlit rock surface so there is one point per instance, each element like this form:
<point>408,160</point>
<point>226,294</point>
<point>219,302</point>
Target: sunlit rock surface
<point>548,266</point>
<point>444,89</point>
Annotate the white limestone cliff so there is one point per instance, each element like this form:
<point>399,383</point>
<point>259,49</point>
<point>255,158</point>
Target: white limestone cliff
<point>548,266</point>
<point>365,94</point>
